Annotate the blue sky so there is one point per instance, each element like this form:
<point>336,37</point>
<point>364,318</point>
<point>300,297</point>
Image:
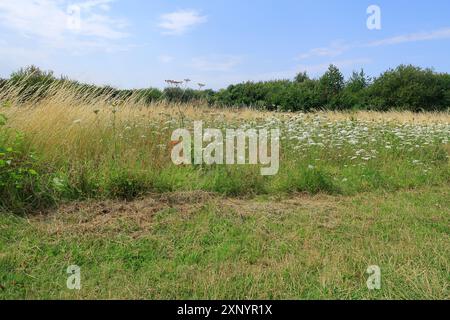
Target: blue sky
<point>137,43</point>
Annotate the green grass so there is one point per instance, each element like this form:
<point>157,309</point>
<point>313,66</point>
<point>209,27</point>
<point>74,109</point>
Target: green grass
<point>419,159</point>
<point>295,247</point>
<point>350,193</point>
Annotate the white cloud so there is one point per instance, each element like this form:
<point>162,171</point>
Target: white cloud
<point>48,21</point>
<point>216,63</point>
<point>413,37</point>
<point>338,48</point>
<point>179,22</point>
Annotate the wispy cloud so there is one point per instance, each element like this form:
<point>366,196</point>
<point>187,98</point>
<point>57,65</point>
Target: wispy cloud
<point>179,22</point>
<point>338,48</point>
<point>216,63</point>
<point>48,21</point>
<point>413,37</point>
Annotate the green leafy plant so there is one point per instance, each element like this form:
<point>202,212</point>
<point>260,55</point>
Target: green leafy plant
<point>18,175</point>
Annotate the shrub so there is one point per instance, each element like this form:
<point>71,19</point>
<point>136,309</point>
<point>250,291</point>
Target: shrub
<point>410,88</point>
<point>20,189</point>
<point>148,96</point>
<point>179,95</point>
<point>31,83</point>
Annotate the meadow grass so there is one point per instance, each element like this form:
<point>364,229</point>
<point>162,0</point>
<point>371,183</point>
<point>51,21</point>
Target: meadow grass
<point>93,147</point>
<point>95,186</point>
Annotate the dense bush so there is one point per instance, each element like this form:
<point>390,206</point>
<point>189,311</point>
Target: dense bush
<point>410,88</point>
<point>406,87</point>
<point>148,96</point>
<point>32,82</point>
<point>282,95</point>
<point>176,94</point>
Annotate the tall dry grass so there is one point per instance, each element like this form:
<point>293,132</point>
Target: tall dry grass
<point>90,145</point>
<point>63,126</point>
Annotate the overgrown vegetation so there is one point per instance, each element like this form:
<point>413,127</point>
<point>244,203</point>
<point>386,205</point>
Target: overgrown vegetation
<point>404,88</point>
<point>60,147</point>
<point>355,188</point>
<point>20,184</point>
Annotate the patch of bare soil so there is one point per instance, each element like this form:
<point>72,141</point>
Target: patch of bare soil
<point>110,217</point>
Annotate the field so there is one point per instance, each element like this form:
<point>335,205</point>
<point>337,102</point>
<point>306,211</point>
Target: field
<point>90,182</point>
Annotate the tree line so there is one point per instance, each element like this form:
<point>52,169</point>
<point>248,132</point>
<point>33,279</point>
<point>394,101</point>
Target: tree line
<point>406,87</point>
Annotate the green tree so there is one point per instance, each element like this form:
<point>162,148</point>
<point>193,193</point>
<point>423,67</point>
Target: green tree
<point>354,95</point>
<point>331,86</point>
<point>411,88</point>
<point>301,77</point>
